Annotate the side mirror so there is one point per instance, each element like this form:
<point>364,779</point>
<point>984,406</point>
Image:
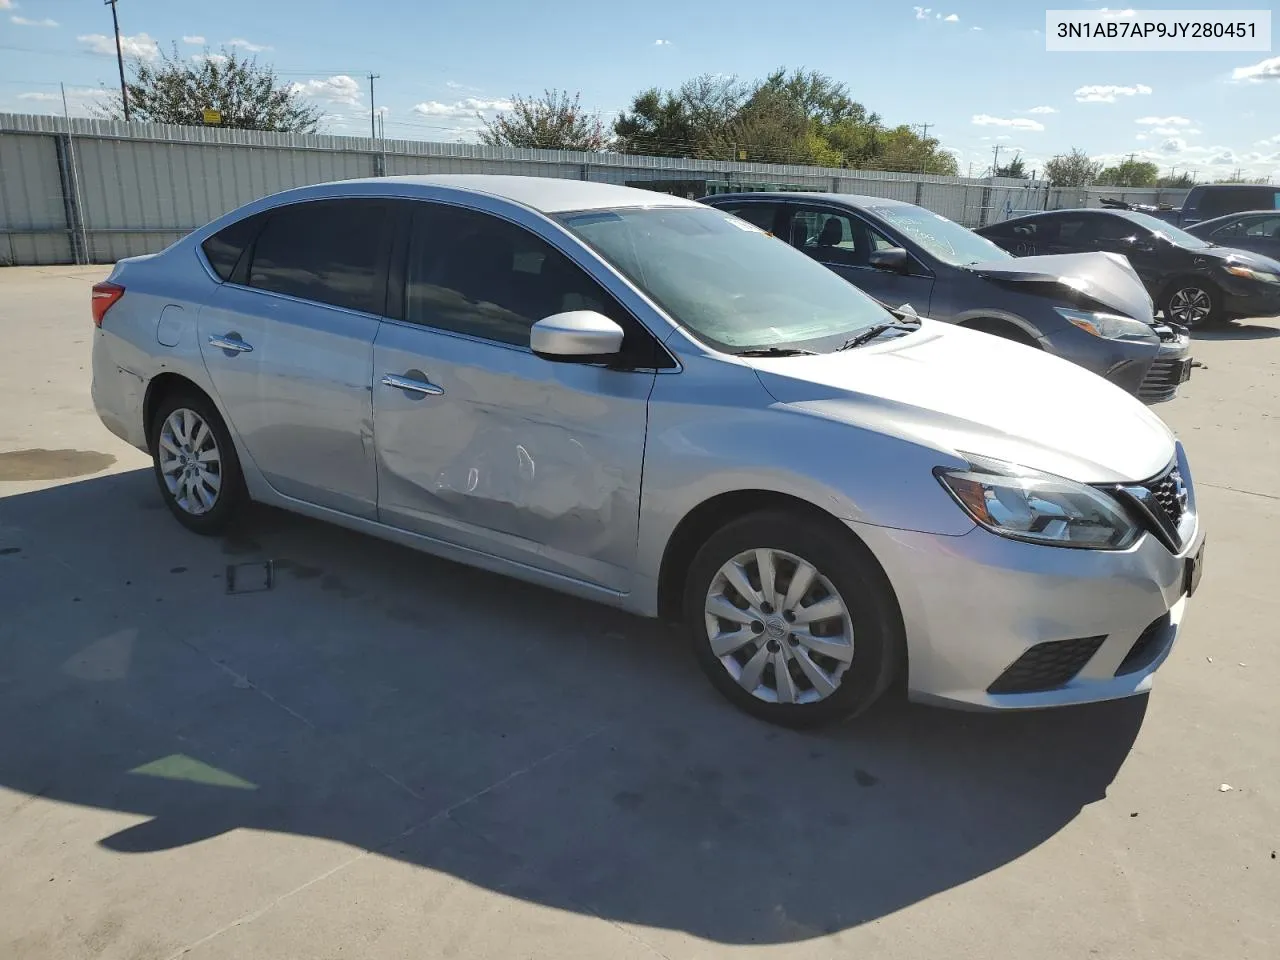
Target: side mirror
<point>894,259</point>
<point>578,336</point>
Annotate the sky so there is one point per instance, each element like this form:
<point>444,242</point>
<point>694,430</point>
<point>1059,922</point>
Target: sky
<point>975,71</point>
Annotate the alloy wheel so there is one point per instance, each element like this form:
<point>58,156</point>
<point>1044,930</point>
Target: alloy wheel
<point>779,627</point>
<point>1190,306</point>
<point>190,462</point>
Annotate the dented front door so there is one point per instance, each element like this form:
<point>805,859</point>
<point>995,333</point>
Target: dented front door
<point>487,446</point>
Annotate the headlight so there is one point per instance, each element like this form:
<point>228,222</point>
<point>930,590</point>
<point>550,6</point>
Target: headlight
<point>1237,270</point>
<point>1025,504</point>
<point>1108,326</point>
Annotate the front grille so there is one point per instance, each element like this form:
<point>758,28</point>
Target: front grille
<point>1047,666</point>
<point>1169,494</point>
<point>1161,382</point>
<point>1147,648</point>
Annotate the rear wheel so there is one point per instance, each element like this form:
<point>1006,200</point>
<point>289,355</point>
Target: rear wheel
<point>1194,304</point>
<point>195,463</point>
<point>792,620</point>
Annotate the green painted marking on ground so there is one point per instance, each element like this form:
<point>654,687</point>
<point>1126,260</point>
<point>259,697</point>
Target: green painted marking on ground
<point>179,766</point>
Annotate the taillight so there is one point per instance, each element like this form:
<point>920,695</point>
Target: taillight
<point>105,295</point>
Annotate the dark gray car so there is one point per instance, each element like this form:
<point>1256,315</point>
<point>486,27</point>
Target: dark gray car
<point>1088,308</point>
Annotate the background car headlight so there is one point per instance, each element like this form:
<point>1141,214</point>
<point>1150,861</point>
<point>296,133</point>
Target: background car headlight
<point>1026,504</point>
<point>1248,273</point>
<point>1108,326</point>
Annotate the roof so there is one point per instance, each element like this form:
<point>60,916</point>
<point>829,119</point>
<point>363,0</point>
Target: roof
<point>547,194</point>
<point>856,200</point>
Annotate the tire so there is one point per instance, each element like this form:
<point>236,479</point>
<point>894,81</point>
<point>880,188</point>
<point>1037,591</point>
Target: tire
<point>1198,301</point>
<point>211,503</point>
<point>762,636</point>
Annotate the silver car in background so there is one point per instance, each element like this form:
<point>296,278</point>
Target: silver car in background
<point>647,402</point>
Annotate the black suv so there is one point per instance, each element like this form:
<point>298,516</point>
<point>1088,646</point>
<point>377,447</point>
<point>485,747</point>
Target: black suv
<point>1219,199</point>
<point>1194,282</point>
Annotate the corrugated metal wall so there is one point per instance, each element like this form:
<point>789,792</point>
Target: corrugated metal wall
<point>99,190</point>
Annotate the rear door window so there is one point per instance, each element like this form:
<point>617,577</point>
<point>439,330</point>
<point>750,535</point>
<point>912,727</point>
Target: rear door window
<point>329,251</point>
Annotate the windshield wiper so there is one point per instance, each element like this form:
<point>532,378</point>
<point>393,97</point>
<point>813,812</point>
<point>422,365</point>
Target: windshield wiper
<point>876,330</point>
<point>776,352</point>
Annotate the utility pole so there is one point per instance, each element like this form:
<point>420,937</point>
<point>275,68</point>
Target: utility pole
<point>924,136</point>
<point>65,112</point>
<point>124,91</point>
<point>995,164</point>
<point>373,114</point>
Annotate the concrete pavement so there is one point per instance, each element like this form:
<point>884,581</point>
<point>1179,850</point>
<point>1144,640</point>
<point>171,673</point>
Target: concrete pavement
<point>392,756</point>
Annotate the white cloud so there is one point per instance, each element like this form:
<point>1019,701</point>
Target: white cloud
<point>336,89</point>
<point>79,99</point>
<point>41,96</point>
<point>195,41</point>
<point>1173,145</point>
<point>1164,121</point>
<point>1174,131</point>
<point>1109,14</point>
<point>922,13</point>
<point>662,43</point>
<point>976,29</point>
<point>453,85</point>
<point>140,46</point>
<point>1262,70</point>
<point>246,45</point>
<point>383,110</point>
<point>463,108</point>
<point>24,22</point>
<point>1143,136</point>
<point>7,5</point>
<point>218,58</point>
<point>1107,93</point>
<point>1016,123</point>
<point>952,18</point>
<point>1043,110</point>
<point>1004,136</point>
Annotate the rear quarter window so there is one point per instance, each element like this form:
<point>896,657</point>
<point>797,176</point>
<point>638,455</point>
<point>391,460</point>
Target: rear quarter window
<point>224,249</point>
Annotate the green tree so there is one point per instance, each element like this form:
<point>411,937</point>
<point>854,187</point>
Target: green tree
<point>553,121</point>
<point>1015,168</point>
<point>1130,173</point>
<point>798,117</point>
<point>1073,169</point>
<point>248,94</point>
<point>1181,181</point>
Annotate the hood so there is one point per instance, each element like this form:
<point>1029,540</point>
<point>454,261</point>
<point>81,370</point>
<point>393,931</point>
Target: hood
<point>1107,278</point>
<point>1255,261</point>
<point>959,390</point>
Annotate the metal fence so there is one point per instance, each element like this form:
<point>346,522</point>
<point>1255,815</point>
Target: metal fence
<point>94,191</point>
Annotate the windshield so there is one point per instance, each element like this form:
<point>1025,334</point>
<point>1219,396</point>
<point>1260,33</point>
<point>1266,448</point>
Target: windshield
<point>1169,231</point>
<point>945,239</point>
<point>731,284</point>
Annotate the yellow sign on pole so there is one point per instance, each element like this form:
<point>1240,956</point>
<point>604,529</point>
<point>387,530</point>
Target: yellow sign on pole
<point>742,154</point>
<point>212,118</point>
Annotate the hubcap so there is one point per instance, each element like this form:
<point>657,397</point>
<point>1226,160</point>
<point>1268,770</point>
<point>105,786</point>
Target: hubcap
<point>1190,306</point>
<point>190,462</point>
<point>779,627</point>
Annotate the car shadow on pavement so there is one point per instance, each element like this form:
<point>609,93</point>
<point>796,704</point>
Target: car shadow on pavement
<point>525,742</point>
<point>1237,330</point>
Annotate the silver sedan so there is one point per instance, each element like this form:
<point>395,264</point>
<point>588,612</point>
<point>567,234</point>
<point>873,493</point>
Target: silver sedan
<point>650,403</point>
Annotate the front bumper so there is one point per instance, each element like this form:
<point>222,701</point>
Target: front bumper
<point>1171,367</point>
<point>1250,298</point>
<point>974,605</point>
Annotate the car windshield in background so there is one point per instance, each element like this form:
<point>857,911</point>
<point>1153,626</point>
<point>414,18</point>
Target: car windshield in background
<point>731,284</point>
<point>1169,232</point>
<point>945,239</point>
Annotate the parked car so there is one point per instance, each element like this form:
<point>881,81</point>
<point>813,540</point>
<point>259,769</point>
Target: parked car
<point>1193,282</point>
<point>647,402</point>
<point>1091,310</point>
<point>1212,200</point>
<point>1257,231</point>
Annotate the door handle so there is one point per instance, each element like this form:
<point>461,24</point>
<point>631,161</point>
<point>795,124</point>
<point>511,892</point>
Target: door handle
<point>230,342</point>
<point>412,385</point>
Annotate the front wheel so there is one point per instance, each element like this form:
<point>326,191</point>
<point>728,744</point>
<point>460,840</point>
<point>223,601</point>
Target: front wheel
<point>1193,304</point>
<point>792,620</point>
